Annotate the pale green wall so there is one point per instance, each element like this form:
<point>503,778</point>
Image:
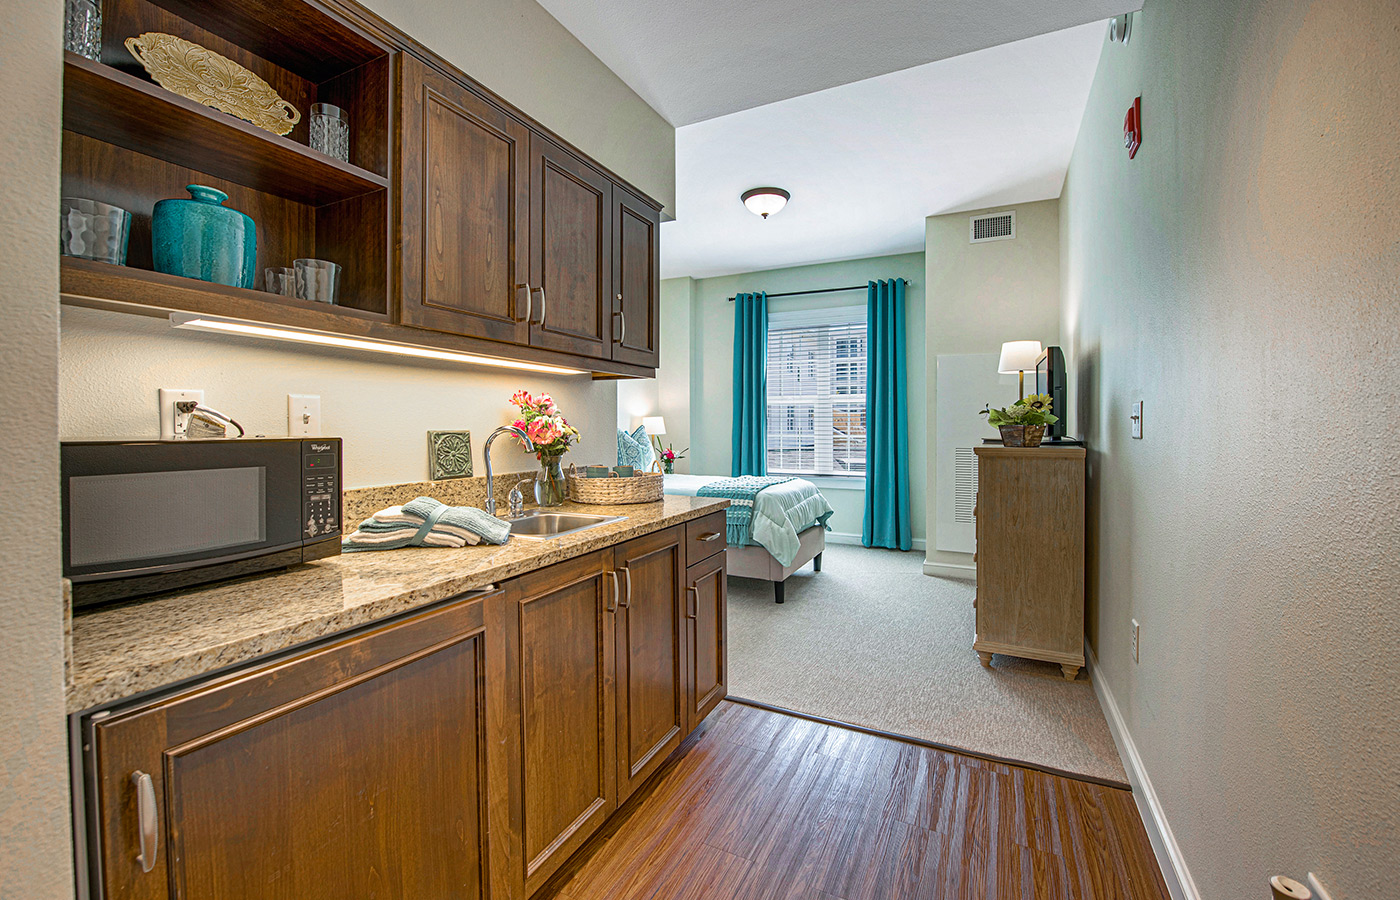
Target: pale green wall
<point>668,394</point>
<point>521,52</point>
<point>1242,277</point>
<point>979,296</point>
<point>712,369</point>
<point>35,850</point>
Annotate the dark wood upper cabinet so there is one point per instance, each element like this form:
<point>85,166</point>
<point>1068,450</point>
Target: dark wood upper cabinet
<point>651,664</point>
<point>570,237</point>
<point>636,247</point>
<point>464,210</point>
<point>358,769</point>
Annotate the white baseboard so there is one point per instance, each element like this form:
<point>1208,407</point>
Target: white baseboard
<point>1159,832</point>
<point>949,570</point>
<point>841,537</point>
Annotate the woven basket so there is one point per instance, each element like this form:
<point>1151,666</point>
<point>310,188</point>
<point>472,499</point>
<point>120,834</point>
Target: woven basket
<point>643,488</point>
<point>1022,435</point>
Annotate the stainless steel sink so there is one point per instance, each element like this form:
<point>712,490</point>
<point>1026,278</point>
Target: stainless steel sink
<point>539,525</point>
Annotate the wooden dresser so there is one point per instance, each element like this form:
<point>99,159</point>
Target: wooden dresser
<point>1030,554</point>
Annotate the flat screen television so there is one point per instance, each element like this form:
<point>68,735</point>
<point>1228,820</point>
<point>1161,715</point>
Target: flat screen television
<point>1050,379</point>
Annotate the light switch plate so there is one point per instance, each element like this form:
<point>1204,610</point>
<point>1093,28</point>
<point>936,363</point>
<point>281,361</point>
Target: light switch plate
<point>304,415</point>
<point>168,420</point>
<point>1137,420</point>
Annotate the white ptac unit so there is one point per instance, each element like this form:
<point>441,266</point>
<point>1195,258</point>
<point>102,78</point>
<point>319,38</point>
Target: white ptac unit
<point>966,383</point>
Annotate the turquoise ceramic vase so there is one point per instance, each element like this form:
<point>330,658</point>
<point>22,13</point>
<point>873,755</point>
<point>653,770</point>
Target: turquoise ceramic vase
<point>202,238</point>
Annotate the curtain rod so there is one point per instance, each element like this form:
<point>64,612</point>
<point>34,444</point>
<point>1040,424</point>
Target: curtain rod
<point>859,287</point>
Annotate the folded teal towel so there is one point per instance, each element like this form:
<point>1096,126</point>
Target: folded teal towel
<point>479,522</point>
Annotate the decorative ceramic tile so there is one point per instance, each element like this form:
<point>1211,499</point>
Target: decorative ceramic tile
<point>449,454</point>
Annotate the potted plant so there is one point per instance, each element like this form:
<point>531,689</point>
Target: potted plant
<point>552,436</point>
<point>669,457</point>
<point>1022,424</point>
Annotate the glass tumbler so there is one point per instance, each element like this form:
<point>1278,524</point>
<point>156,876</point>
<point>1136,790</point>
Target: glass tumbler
<point>82,28</point>
<point>330,131</point>
<point>281,280</point>
<point>317,279</point>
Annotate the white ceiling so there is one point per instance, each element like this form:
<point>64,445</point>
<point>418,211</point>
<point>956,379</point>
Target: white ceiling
<point>693,60</point>
<point>867,162</point>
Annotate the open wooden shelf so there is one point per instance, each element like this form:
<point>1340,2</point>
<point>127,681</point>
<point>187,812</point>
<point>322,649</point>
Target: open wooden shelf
<point>113,106</point>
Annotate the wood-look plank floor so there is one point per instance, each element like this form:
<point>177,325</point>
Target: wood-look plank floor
<point>757,805</point>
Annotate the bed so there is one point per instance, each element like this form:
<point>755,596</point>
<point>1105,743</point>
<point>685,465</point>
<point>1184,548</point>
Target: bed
<point>788,529</point>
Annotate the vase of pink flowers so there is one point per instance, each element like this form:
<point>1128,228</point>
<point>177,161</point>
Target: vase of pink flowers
<point>669,458</point>
<point>552,436</point>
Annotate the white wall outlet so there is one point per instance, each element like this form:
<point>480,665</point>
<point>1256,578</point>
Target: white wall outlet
<point>1136,629</point>
<point>303,415</point>
<point>1137,420</point>
<point>172,426</point>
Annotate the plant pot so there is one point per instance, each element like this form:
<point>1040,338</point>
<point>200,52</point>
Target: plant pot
<point>550,485</point>
<point>201,238</point>
<point>1022,435</point>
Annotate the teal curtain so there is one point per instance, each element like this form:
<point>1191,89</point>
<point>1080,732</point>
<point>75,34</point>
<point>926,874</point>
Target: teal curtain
<point>887,517</point>
<point>750,443</point>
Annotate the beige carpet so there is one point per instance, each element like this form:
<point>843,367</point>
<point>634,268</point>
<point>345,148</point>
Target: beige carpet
<point>873,641</point>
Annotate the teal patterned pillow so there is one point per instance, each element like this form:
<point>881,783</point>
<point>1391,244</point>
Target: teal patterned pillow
<point>635,449</point>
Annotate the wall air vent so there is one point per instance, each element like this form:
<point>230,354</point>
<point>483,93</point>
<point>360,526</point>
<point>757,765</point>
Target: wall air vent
<point>992,227</point>
<point>964,485</point>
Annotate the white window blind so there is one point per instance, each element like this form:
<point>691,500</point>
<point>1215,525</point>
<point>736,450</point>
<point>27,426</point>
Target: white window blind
<point>816,392</point>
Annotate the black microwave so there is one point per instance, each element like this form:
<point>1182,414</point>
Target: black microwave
<point>144,516</point>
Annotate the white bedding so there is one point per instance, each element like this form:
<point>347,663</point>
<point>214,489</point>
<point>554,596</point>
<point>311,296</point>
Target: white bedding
<point>779,512</point>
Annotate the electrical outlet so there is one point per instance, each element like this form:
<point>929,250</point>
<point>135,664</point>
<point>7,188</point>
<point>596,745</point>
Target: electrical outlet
<point>1136,629</point>
<point>172,426</point>
<point>1137,420</point>
<point>303,415</point>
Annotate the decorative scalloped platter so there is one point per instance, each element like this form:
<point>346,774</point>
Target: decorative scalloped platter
<point>199,74</point>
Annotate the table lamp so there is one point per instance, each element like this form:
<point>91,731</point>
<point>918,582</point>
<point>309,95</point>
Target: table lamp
<point>655,426</point>
<point>1016,357</point>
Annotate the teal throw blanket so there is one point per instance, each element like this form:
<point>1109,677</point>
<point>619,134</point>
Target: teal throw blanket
<point>740,492</point>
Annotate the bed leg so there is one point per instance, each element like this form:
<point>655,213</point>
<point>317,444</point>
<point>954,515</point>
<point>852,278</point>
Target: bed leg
<point>779,591</point>
<point>817,563</point>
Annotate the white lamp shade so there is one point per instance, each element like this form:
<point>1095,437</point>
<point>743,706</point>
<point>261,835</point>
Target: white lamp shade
<point>654,425</point>
<point>1018,356</point>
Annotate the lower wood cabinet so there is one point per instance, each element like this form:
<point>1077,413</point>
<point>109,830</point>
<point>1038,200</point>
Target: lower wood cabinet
<point>357,769</point>
<point>464,752</point>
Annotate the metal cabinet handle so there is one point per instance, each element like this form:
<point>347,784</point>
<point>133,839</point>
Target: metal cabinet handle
<point>544,306</point>
<point>529,302</point>
<point>623,314</point>
<point>611,603</point>
<point>709,536</point>
<point>146,820</point>
<point>693,611</point>
<point>627,574</point>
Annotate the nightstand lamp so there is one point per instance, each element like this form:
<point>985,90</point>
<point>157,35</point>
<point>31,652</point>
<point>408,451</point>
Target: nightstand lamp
<point>1016,357</point>
<point>656,426</point>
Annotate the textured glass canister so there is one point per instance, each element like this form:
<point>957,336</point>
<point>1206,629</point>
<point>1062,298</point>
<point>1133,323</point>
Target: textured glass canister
<point>330,131</point>
<point>82,28</point>
<point>89,229</point>
<point>202,238</point>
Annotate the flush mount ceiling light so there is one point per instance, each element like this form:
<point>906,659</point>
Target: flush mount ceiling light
<point>325,339</point>
<point>764,201</point>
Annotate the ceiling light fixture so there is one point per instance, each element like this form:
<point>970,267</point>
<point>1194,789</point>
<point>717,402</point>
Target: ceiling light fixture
<point>764,201</point>
<point>324,339</point>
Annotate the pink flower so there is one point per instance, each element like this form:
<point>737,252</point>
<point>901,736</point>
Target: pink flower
<point>543,431</point>
<point>522,399</point>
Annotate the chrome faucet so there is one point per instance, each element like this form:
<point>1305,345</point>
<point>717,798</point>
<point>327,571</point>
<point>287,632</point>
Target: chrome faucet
<point>486,452</point>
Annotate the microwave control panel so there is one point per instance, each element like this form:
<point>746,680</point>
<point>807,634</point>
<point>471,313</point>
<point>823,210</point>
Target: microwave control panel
<point>320,488</point>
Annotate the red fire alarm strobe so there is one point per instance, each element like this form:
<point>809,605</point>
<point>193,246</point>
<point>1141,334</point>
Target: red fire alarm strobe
<point>1132,128</point>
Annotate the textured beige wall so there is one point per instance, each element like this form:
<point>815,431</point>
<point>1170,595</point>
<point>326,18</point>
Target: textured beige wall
<point>113,365</point>
<point>521,52</point>
<point>981,295</point>
<point>712,368</point>
<point>1242,277</point>
<point>35,851</point>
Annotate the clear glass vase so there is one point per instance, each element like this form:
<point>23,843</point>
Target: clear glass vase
<point>550,486</point>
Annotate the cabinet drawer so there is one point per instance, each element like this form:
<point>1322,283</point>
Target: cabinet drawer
<point>704,538</point>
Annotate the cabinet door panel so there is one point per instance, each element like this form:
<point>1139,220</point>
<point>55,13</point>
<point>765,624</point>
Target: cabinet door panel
<point>465,190</point>
<point>570,236</point>
<point>650,656</point>
<point>566,711</point>
<point>358,769</point>
<point>707,614</point>
<point>636,282</point>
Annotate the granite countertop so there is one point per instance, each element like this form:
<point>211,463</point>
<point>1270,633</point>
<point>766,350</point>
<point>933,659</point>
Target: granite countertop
<point>119,651</point>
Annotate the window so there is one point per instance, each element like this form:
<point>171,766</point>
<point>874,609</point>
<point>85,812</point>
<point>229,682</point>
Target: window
<point>816,392</point>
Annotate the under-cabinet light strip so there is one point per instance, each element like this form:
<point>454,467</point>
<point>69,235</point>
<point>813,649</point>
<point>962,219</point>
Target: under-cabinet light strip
<point>324,339</point>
